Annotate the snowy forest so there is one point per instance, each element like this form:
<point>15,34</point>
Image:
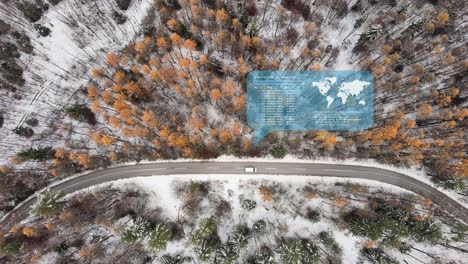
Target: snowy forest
<point>86,84</point>
<point>224,219</point>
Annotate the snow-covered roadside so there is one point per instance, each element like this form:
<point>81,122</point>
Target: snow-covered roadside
<point>416,173</point>
<point>412,172</point>
<point>162,195</point>
<point>163,183</point>
<point>151,182</point>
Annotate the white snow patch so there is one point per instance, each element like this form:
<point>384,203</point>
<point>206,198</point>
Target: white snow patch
<point>48,258</point>
<point>160,189</point>
<point>213,114</point>
<point>349,245</point>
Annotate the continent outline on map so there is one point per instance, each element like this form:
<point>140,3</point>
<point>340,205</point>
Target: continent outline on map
<point>345,90</point>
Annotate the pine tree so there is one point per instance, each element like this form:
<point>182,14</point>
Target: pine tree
<point>454,184</point>
<point>204,251</point>
<point>426,231</point>
<point>327,239</point>
<point>159,237</point>
<point>205,238</point>
<point>138,230</point>
<point>241,238</point>
<point>279,151</point>
<point>81,113</point>
<point>298,251</point>
<point>11,248</point>
<point>207,228</point>
<point>378,256</point>
<point>47,204</point>
<point>264,256</point>
<point>38,154</point>
<point>178,259</point>
<point>227,254</point>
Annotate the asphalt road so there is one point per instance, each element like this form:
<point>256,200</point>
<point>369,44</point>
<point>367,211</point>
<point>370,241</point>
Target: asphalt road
<point>270,168</point>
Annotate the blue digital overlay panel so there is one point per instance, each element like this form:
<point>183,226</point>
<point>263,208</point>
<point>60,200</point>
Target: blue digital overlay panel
<point>309,100</point>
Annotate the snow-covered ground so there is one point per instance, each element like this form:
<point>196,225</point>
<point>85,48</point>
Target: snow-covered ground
<point>82,32</point>
<point>284,214</point>
<point>416,173</point>
<point>161,189</point>
<point>162,186</point>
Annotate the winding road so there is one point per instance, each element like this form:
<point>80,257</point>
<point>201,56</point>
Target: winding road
<point>271,168</point>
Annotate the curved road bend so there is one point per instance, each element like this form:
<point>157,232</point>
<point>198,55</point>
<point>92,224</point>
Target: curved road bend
<point>271,168</point>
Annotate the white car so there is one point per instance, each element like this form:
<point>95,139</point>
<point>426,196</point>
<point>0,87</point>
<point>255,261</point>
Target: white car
<point>250,169</point>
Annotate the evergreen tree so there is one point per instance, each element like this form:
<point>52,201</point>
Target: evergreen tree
<point>327,239</point>
<point>263,256</point>
<point>138,230</point>
<point>404,247</point>
<point>159,237</point>
<point>129,237</point>
<point>426,231</point>
<point>455,184</point>
<point>207,228</point>
<point>178,259</point>
<point>47,204</point>
<point>279,151</point>
<point>38,154</point>
<point>363,226</point>
<point>81,113</point>
<point>206,239</point>
<point>204,250</point>
<point>460,230</point>
<point>378,256</point>
<point>227,254</point>
<point>11,248</point>
<point>298,251</point>
<point>391,223</point>
<point>240,238</point>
